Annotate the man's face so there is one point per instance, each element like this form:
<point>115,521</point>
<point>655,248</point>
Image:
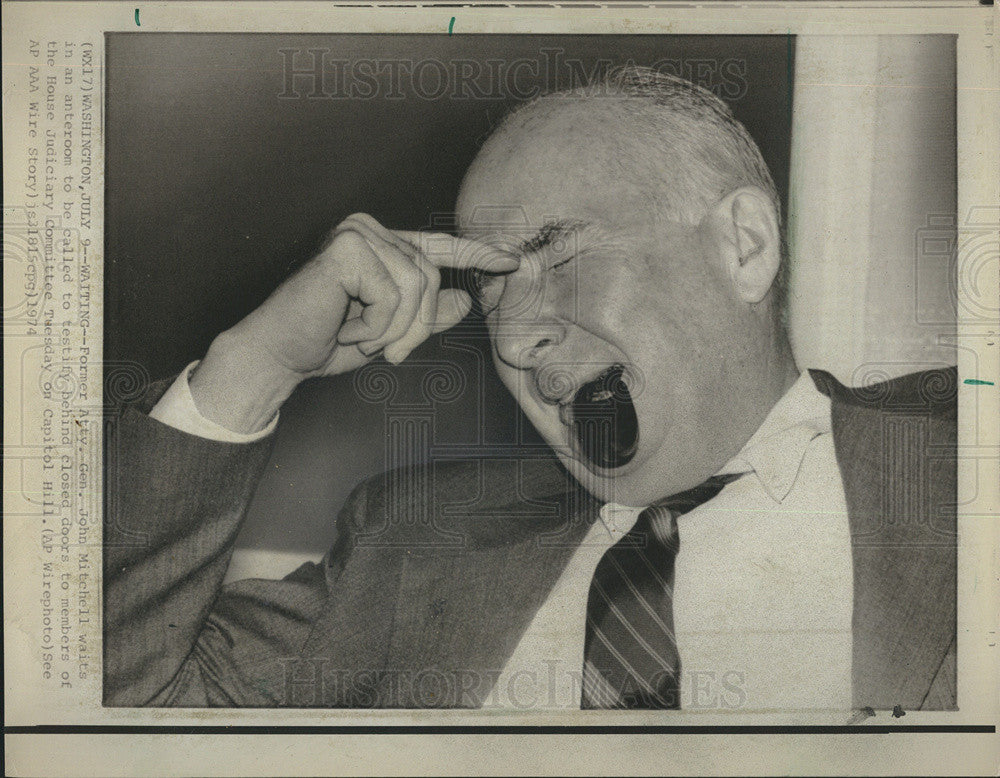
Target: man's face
<point>620,333</point>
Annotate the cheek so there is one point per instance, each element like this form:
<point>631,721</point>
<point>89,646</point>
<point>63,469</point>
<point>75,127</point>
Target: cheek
<point>602,301</point>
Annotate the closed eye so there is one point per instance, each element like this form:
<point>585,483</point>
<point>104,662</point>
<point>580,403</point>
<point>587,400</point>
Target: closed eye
<point>486,289</point>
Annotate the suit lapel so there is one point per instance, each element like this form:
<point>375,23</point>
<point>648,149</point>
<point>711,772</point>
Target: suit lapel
<point>467,612</point>
<point>895,448</point>
<point>432,625</point>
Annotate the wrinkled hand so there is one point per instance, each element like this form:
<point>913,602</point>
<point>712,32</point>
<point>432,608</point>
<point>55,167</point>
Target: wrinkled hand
<point>369,290</point>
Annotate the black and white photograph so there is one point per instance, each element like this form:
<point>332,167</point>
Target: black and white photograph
<point>533,388</point>
<point>473,384</point>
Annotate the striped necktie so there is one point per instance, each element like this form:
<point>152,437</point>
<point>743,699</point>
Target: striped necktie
<point>630,654</point>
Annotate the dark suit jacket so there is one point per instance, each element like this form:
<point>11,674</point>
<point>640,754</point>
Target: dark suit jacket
<point>438,570</point>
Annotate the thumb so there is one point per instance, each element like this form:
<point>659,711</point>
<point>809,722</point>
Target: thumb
<point>453,306</point>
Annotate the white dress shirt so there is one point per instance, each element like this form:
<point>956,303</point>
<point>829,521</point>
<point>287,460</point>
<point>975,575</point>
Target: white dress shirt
<point>763,582</point>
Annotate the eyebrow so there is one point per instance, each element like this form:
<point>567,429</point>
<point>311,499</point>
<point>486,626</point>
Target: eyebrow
<point>550,232</point>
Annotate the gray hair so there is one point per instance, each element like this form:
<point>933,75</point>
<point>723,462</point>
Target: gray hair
<point>708,151</point>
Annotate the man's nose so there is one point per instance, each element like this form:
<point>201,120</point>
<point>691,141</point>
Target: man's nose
<point>526,325</point>
<point>524,344</point>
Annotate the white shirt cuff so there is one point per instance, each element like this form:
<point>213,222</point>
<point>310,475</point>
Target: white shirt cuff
<point>177,409</point>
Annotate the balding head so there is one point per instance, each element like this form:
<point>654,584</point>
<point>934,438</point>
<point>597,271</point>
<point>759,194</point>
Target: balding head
<point>667,123</point>
<point>678,144</point>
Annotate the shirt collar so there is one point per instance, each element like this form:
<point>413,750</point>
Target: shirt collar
<point>775,451</point>
<point>618,520</point>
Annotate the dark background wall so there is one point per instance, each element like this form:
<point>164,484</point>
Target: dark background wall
<point>220,181</point>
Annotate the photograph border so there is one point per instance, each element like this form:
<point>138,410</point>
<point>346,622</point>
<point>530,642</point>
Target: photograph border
<point>30,713</point>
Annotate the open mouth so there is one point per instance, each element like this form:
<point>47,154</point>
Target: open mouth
<point>603,420</point>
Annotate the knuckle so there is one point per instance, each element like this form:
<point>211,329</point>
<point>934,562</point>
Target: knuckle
<point>427,270</point>
<point>351,242</point>
<point>393,295</point>
<point>433,282</point>
<point>414,278</point>
<point>423,278</point>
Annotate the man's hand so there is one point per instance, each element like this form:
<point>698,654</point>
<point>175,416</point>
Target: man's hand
<point>369,290</point>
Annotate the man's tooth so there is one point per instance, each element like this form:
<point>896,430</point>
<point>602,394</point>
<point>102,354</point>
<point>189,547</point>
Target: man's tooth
<point>601,395</point>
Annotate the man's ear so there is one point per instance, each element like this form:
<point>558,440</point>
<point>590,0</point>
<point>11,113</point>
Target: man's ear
<point>750,241</point>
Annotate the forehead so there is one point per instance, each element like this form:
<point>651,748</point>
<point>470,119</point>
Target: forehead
<point>571,162</point>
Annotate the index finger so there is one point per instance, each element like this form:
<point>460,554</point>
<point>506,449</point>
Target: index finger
<point>443,250</point>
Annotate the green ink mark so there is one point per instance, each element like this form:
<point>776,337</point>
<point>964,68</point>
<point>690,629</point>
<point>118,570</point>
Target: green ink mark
<point>978,382</point>
<point>451,24</point>
<point>136,17</point>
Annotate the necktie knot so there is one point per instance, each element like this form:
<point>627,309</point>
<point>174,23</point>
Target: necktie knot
<point>689,499</point>
<point>659,520</point>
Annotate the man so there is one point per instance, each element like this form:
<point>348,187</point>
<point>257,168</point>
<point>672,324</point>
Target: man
<point>746,535</point>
